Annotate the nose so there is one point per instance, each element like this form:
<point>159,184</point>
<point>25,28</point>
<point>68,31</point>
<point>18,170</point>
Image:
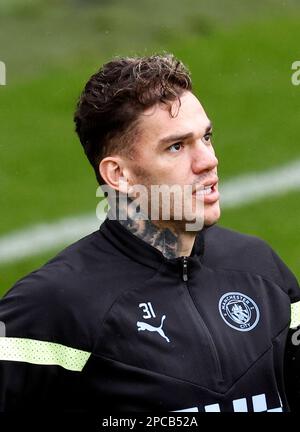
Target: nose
<point>203,158</point>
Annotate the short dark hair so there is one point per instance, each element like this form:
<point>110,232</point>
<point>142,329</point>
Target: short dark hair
<point>108,109</point>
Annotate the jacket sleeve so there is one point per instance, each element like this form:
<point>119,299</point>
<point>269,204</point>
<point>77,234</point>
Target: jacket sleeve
<point>36,365</point>
<point>292,360</point>
<point>289,283</point>
<point>292,349</point>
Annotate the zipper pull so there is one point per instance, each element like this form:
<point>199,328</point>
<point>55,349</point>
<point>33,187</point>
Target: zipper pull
<point>184,272</point>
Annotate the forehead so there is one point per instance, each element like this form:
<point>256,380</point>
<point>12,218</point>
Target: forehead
<point>157,123</point>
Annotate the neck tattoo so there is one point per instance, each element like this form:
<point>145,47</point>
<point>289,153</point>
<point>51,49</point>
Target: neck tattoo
<point>162,239</point>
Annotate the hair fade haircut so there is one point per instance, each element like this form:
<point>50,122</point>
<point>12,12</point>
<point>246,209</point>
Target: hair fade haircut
<point>108,109</point>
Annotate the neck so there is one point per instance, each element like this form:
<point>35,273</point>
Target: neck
<point>168,239</point>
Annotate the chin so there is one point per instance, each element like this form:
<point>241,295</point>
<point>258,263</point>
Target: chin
<point>212,215</point>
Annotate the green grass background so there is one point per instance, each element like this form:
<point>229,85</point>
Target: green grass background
<point>240,55</point>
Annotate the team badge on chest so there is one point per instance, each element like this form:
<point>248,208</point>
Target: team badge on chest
<point>239,311</point>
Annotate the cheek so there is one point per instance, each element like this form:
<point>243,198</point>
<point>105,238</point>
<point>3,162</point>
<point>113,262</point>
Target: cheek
<point>180,173</point>
<point>171,176</point>
<point>157,171</point>
<point>175,170</point>
<point>139,173</point>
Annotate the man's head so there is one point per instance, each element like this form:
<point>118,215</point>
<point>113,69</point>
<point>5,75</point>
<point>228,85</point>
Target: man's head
<point>138,119</point>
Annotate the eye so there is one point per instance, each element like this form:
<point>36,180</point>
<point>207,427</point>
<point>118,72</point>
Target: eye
<point>207,137</point>
<point>175,148</point>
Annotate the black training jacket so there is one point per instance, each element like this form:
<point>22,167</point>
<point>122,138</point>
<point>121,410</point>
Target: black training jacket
<point>110,324</point>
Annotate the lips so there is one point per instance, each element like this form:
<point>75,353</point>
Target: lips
<point>208,185</point>
<point>208,191</point>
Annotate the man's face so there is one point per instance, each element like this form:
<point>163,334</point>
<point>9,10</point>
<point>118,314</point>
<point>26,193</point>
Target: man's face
<point>178,151</point>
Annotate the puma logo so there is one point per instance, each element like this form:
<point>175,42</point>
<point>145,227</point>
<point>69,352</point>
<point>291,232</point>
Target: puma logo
<point>145,326</point>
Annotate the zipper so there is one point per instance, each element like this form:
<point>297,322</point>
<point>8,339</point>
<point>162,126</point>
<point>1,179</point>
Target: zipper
<point>184,269</point>
<point>209,336</point>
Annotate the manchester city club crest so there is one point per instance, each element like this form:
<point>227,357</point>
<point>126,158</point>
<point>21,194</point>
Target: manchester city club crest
<point>239,311</point>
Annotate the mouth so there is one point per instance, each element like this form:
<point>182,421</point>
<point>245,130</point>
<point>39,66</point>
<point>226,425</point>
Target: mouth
<point>209,192</point>
<point>206,190</point>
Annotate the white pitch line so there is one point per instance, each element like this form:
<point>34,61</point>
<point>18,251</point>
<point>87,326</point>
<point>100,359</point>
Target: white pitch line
<point>247,188</point>
<point>236,192</point>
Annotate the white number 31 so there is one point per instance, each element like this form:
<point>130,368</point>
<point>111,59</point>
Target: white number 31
<point>148,310</point>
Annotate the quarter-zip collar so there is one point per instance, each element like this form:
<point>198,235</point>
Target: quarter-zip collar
<point>139,250</point>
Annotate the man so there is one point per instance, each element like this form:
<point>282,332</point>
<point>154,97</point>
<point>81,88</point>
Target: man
<point>149,314</point>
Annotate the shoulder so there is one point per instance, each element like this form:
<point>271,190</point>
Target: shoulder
<point>227,240</point>
<point>226,248</point>
<point>65,299</point>
<point>229,249</point>
<point>64,274</point>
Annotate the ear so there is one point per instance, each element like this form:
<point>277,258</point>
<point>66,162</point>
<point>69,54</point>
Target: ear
<point>114,172</point>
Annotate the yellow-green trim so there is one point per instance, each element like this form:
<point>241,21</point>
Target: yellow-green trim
<point>295,314</point>
<point>42,353</point>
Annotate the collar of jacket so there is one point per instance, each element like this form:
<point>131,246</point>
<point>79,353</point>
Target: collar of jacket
<point>137,249</point>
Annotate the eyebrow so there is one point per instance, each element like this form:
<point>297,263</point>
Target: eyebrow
<point>173,138</point>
